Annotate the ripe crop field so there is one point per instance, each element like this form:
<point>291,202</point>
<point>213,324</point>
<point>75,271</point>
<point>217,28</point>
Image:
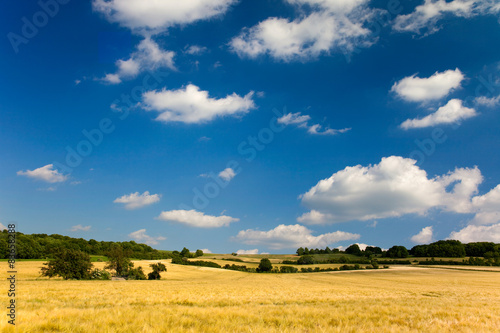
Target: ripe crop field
<point>199,299</point>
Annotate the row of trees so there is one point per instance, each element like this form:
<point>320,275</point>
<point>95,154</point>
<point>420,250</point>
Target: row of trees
<point>71,264</point>
<point>42,246</point>
<point>442,248</point>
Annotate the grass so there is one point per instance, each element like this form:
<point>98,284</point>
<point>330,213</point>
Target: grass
<point>199,299</point>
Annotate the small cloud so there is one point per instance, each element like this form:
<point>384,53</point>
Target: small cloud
<point>76,182</point>
<point>254,251</point>
<point>227,174</point>
<point>194,218</point>
<point>47,189</point>
<point>77,82</point>
<point>487,102</point>
<point>435,87</point>
<point>217,64</point>
<point>79,227</point>
<point>302,121</point>
<point>204,139</point>
<point>452,112</point>
<point>2,227</point>
<point>423,237</point>
<point>373,224</point>
<point>260,94</point>
<point>46,173</point>
<point>140,236</point>
<point>136,200</point>
<point>206,251</point>
<point>195,49</point>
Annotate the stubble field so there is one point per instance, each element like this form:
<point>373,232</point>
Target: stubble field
<point>198,299</point>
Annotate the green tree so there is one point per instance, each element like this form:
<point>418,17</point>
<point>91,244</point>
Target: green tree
<point>397,252</point>
<point>199,253</point>
<point>300,251</point>
<point>119,260</point>
<point>157,268</point>
<point>353,249</point>
<point>264,265</point>
<point>68,264</point>
<point>136,274</point>
<point>185,253</point>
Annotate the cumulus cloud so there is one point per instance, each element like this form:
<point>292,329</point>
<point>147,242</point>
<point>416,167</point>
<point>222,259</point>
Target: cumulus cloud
<point>437,86</point>
<point>425,17</point>
<point>140,236</point>
<point>80,227</point>
<point>392,188</point>
<point>191,105</point>
<point>452,112</point>
<point>148,56</point>
<point>292,236</point>
<point>136,200</point>
<point>254,251</point>
<point>330,25</point>
<point>206,251</point>
<point>302,121</point>
<point>475,233</point>
<point>197,219</point>
<point>423,237</point>
<point>487,207</point>
<point>227,174</point>
<point>156,16</point>
<point>46,173</point>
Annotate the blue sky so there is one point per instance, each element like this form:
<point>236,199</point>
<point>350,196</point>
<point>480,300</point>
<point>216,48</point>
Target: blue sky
<point>252,125</point>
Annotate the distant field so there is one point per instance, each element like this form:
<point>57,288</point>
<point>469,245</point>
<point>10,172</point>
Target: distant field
<point>198,299</point>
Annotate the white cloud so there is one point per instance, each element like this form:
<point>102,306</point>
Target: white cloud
<point>294,118</point>
<point>392,188</point>
<point>191,105</point>
<point>291,236</point>
<point>80,227</point>
<point>227,174</point>
<point>487,207</point>
<point>46,173</point>
<point>452,112</point>
<point>206,251</point>
<point>140,236</point>
<point>423,237</point>
<point>437,86</point>
<point>2,227</point>
<point>195,49</point>
<point>194,218</point>
<point>426,16</point>
<point>474,233</point>
<point>330,26</point>
<point>156,16</point>
<point>148,56</point>
<point>488,102</point>
<point>302,121</point>
<point>254,251</point>
<point>136,200</point>
<point>363,246</point>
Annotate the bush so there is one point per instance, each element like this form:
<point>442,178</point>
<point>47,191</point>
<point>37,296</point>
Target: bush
<point>136,274</point>
<point>68,264</point>
<point>264,266</point>
<point>288,269</point>
<point>100,274</point>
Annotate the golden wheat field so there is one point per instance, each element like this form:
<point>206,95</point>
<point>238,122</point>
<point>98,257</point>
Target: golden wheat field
<point>198,299</point>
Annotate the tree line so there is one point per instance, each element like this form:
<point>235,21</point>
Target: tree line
<point>42,246</point>
<point>442,248</point>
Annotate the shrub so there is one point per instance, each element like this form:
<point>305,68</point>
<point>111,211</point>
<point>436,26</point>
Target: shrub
<point>68,264</point>
<point>100,274</point>
<point>264,266</point>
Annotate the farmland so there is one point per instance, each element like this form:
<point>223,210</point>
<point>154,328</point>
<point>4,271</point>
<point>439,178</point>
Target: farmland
<point>200,299</point>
